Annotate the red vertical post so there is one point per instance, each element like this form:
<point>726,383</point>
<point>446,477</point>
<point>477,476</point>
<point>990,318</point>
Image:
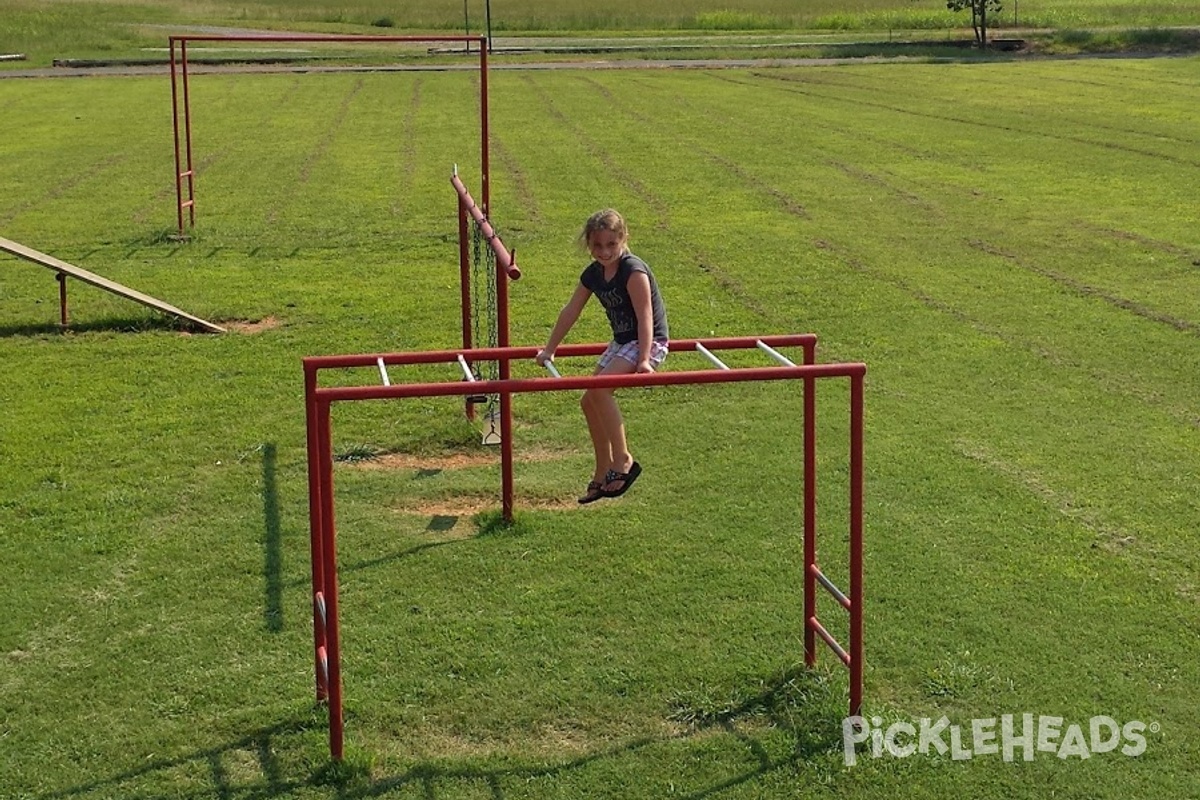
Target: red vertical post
<point>464,282</point>
<point>62,297</point>
<point>316,531</point>
<point>187,138</point>
<point>484,135</point>
<point>506,450</point>
<point>810,507</point>
<point>330,583</point>
<point>857,426</point>
<point>175,128</point>
<point>464,271</point>
<point>506,442</point>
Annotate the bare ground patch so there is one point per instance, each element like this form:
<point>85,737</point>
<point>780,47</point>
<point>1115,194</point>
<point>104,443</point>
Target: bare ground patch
<point>446,513</point>
<point>559,740</point>
<point>250,327</point>
<point>451,461</point>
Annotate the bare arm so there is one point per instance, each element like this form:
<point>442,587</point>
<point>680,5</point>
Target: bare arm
<point>639,294</point>
<point>566,318</point>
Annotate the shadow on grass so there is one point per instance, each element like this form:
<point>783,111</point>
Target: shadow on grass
<point>272,544</point>
<point>797,700</point>
<point>388,559</point>
<point>440,523</point>
<point>110,325</point>
<point>487,523</point>
<point>289,756</point>
<point>371,563</point>
<point>264,744</point>
<point>493,523</point>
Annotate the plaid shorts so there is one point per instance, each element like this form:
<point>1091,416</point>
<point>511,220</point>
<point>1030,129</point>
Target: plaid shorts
<point>629,352</point>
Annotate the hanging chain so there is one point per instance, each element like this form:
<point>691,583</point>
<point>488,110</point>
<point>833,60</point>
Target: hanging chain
<point>484,307</point>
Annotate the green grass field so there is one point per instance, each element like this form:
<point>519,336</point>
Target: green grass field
<point>103,30</point>
<point>1012,248</point>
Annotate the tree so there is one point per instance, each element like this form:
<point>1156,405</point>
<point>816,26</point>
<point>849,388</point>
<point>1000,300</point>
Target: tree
<point>979,15</point>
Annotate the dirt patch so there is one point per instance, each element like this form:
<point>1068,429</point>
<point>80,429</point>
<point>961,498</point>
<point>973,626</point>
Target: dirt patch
<point>449,461</point>
<point>250,327</point>
<point>446,512</point>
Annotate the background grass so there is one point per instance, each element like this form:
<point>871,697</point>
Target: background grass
<point>1017,266</point>
<point>90,30</point>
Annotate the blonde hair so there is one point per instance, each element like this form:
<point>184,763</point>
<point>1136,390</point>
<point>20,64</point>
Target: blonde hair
<point>608,219</point>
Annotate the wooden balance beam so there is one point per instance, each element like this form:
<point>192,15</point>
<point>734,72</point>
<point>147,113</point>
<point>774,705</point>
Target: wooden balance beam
<point>63,269</point>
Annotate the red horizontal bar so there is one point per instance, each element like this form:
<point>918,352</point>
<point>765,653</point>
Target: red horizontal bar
<point>829,640</point>
<point>315,37</point>
<point>631,380</point>
<point>566,351</point>
<point>186,174</point>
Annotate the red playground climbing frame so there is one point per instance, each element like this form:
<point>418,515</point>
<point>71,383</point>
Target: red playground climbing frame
<point>319,400</point>
<point>181,102</point>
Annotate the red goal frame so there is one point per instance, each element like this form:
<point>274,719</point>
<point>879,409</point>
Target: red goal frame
<point>181,110</point>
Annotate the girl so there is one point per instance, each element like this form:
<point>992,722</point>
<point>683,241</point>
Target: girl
<point>627,290</point>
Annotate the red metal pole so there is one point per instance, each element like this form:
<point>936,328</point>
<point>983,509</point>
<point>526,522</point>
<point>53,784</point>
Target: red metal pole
<point>464,273</point>
<point>504,260</point>
<point>810,507</point>
<point>575,382</point>
<point>329,557</point>
<point>62,297</point>
<point>857,427</point>
<point>506,450</point>
<point>323,37</point>
<point>175,128</point>
<point>502,279</point>
<point>187,127</point>
<point>484,134</point>
<point>464,282</point>
<point>506,426</point>
<point>316,531</point>
<point>564,351</point>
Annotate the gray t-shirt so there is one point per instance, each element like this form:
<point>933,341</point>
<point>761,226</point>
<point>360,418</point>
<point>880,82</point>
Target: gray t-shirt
<point>614,296</point>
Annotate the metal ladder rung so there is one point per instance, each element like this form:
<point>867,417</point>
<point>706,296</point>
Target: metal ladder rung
<point>704,351</point>
<point>467,373</point>
<point>775,354</point>
<point>469,376</point>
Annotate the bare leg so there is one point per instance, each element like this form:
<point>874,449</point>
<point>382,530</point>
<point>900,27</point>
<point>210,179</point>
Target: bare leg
<point>600,443</point>
<point>606,425</point>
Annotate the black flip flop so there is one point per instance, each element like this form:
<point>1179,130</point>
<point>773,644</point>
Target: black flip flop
<point>627,479</point>
<point>589,497</point>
